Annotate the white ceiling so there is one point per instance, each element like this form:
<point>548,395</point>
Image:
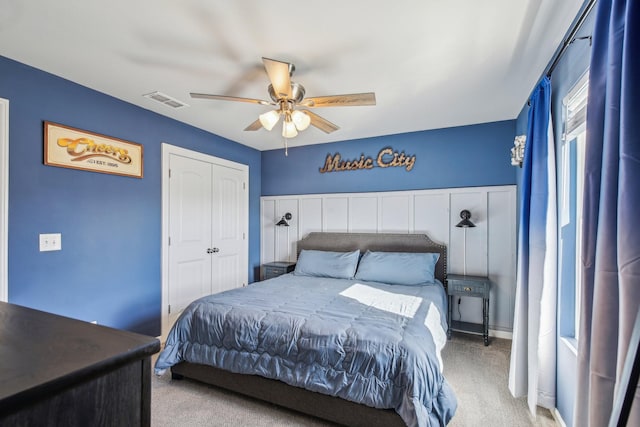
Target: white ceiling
<point>431,63</point>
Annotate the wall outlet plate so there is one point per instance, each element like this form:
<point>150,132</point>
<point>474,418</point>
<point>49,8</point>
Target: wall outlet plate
<point>50,242</point>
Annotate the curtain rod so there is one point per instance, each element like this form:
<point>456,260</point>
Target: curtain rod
<point>571,37</point>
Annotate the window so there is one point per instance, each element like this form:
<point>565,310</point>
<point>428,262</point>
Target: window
<point>571,171</point>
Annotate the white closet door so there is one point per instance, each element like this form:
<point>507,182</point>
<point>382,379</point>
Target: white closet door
<point>190,262</point>
<point>228,233</point>
<point>205,219</point>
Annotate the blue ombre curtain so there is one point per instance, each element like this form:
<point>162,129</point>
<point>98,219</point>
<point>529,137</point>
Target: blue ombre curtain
<point>611,227</point>
<point>532,371</point>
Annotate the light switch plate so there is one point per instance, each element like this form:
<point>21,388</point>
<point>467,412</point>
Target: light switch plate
<point>50,242</point>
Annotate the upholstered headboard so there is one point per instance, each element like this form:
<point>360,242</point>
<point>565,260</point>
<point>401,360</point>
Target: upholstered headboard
<point>382,242</point>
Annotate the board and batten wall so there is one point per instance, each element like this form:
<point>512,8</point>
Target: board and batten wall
<point>490,246</point>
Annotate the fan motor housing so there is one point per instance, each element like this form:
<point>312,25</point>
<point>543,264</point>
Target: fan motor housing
<point>297,93</point>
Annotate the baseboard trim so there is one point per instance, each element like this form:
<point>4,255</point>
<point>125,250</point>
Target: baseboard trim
<point>501,334</point>
<point>558,417</point>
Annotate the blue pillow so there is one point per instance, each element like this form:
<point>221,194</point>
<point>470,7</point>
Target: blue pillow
<point>339,265</point>
<point>398,268</point>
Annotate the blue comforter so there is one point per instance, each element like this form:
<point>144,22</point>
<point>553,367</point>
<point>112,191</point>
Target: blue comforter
<point>367,342</point>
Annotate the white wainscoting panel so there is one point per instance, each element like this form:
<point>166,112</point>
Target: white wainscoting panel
<point>502,264</point>
<point>489,248</point>
<point>267,228</point>
<point>395,213</point>
<point>431,215</point>
<point>336,214</point>
<point>310,216</point>
<point>286,237</point>
<point>468,246</point>
<point>363,214</point>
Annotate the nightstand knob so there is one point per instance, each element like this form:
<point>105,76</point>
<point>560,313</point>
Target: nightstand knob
<point>467,289</point>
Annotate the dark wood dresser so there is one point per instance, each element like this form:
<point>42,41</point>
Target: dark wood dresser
<point>57,371</point>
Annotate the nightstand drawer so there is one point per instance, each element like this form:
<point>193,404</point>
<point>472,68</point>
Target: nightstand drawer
<point>467,289</point>
<point>275,269</point>
<point>472,286</point>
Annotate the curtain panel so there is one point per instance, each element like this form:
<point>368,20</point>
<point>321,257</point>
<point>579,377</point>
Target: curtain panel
<point>611,240</point>
<point>532,371</point>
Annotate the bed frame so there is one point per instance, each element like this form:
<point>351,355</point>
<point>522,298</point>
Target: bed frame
<point>320,405</point>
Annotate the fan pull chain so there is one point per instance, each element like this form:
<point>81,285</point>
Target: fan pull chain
<point>286,147</point>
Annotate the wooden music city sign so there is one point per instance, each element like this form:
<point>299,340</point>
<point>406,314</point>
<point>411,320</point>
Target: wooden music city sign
<point>386,158</point>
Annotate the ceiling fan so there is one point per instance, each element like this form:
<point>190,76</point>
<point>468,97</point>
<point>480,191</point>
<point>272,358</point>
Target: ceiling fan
<point>288,97</point>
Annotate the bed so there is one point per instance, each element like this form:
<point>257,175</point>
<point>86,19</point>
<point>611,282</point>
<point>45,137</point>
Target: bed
<point>344,337</point>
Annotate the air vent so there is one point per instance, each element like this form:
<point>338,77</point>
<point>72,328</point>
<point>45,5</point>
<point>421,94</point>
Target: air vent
<point>165,99</point>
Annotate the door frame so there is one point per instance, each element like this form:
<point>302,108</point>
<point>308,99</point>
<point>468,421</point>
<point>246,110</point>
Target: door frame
<point>4,199</point>
<point>167,151</point>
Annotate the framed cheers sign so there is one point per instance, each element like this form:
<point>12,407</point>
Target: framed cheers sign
<point>68,147</point>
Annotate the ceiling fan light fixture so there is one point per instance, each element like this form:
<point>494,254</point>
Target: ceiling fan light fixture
<point>300,119</point>
<point>286,96</point>
<point>269,119</point>
<point>289,129</point>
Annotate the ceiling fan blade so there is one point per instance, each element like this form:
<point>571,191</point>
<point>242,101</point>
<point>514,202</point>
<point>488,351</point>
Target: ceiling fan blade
<point>254,126</point>
<point>349,100</point>
<point>321,123</point>
<point>230,98</point>
<point>279,74</point>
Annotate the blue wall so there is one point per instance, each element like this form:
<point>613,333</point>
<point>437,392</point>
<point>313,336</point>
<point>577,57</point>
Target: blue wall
<point>466,156</point>
<point>109,268</point>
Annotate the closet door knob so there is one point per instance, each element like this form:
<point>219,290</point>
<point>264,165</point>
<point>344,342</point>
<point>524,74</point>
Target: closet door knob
<point>209,250</point>
<point>216,250</point>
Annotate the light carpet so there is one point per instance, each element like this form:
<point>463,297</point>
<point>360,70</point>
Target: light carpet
<point>478,375</point>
